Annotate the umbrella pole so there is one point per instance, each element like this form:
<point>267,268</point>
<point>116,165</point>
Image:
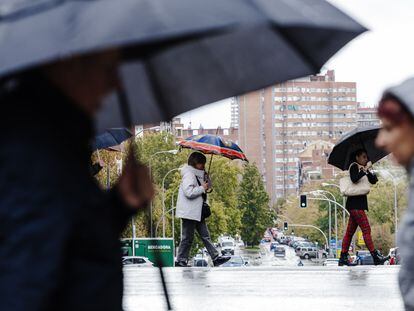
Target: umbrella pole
<point>99,156</point>
<point>209,165</point>
<point>211,158</point>
<point>126,115</point>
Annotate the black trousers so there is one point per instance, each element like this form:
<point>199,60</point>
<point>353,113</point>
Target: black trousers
<point>189,228</point>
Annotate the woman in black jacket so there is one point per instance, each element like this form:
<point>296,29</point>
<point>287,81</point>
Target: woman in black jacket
<point>356,206</point>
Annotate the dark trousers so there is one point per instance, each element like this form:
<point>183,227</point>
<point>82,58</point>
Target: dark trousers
<point>357,218</point>
<point>189,228</point>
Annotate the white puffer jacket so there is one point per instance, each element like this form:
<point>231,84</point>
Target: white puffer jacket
<point>190,200</point>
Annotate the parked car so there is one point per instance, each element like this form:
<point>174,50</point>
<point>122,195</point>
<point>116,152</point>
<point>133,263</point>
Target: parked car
<point>227,247</point>
<point>200,262</point>
<point>331,262</point>
<point>280,251</point>
<point>273,245</point>
<point>235,261</point>
<point>137,261</point>
<point>296,245</point>
<point>364,258</point>
<point>309,252</point>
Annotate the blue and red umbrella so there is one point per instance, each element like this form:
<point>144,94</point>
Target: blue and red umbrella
<point>213,144</point>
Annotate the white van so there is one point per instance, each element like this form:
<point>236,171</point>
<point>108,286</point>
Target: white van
<point>227,246</point>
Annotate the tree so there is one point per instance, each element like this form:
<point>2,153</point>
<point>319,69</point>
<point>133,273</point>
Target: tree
<point>254,204</point>
<point>224,175</point>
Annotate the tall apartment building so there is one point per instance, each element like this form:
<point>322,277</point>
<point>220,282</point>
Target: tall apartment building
<point>234,106</point>
<point>367,116</point>
<point>277,123</point>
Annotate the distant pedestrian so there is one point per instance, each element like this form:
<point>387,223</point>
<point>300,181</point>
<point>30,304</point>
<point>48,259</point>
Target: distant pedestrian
<point>356,206</point>
<point>396,111</point>
<point>192,194</point>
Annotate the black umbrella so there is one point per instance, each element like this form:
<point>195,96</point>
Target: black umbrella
<point>269,42</point>
<point>192,52</point>
<point>110,138</point>
<point>343,154</point>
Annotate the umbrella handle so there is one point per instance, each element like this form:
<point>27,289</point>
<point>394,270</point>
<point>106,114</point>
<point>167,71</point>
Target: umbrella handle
<point>126,115</point>
<point>209,165</point>
<point>99,156</point>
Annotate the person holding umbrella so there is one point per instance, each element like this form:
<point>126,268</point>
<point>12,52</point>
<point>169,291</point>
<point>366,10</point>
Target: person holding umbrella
<point>192,208</point>
<point>356,206</point>
<point>69,261</point>
<point>355,152</point>
<point>396,111</point>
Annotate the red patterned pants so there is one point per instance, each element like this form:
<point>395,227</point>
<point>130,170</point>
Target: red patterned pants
<point>357,218</point>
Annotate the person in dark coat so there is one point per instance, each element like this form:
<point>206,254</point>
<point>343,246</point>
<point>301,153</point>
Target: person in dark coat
<point>59,232</point>
<point>356,206</point>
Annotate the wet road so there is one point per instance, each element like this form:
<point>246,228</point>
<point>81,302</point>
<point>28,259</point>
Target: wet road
<point>265,288</point>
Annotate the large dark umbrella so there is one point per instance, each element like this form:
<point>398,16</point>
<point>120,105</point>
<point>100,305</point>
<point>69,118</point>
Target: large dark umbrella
<point>110,138</point>
<point>343,154</point>
<point>192,52</point>
<point>272,41</point>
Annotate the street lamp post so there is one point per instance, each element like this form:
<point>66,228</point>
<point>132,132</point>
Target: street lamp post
<point>330,219</point>
<point>163,199</point>
<point>336,215</point>
<point>173,151</point>
<point>331,201</point>
<point>329,216</point>
<point>154,128</point>
<point>343,201</point>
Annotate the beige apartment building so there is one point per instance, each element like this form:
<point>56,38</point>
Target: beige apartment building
<point>276,124</point>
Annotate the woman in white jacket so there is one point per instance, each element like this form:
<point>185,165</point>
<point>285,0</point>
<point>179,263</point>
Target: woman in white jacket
<point>192,193</point>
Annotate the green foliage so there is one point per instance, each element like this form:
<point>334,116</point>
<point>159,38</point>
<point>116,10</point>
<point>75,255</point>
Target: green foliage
<point>254,204</point>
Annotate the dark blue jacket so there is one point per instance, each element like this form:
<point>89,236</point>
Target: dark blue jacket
<point>59,232</point>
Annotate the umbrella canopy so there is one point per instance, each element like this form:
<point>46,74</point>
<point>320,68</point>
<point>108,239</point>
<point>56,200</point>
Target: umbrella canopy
<point>271,42</point>
<point>111,138</point>
<point>343,153</point>
<point>192,52</point>
<point>211,144</point>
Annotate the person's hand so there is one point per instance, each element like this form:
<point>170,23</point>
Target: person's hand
<point>205,186</point>
<point>135,185</point>
<point>368,166</point>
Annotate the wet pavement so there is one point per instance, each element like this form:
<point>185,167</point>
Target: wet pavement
<point>278,284</point>
<point>265,288</point>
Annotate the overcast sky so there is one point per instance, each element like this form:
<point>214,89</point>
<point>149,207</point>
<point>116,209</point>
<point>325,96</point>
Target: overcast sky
<point>375,60</point>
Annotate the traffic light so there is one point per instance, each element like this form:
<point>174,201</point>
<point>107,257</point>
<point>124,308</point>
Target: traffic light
<point>303,201</point>
<point>285,226</point>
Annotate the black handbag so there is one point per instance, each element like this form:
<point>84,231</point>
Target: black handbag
<point>205,209</point>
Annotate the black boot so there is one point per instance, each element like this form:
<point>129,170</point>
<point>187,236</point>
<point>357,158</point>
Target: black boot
<point>343,260</point>
<point>181,263</point>
<point>378,258</point>
<point>220,260</point>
